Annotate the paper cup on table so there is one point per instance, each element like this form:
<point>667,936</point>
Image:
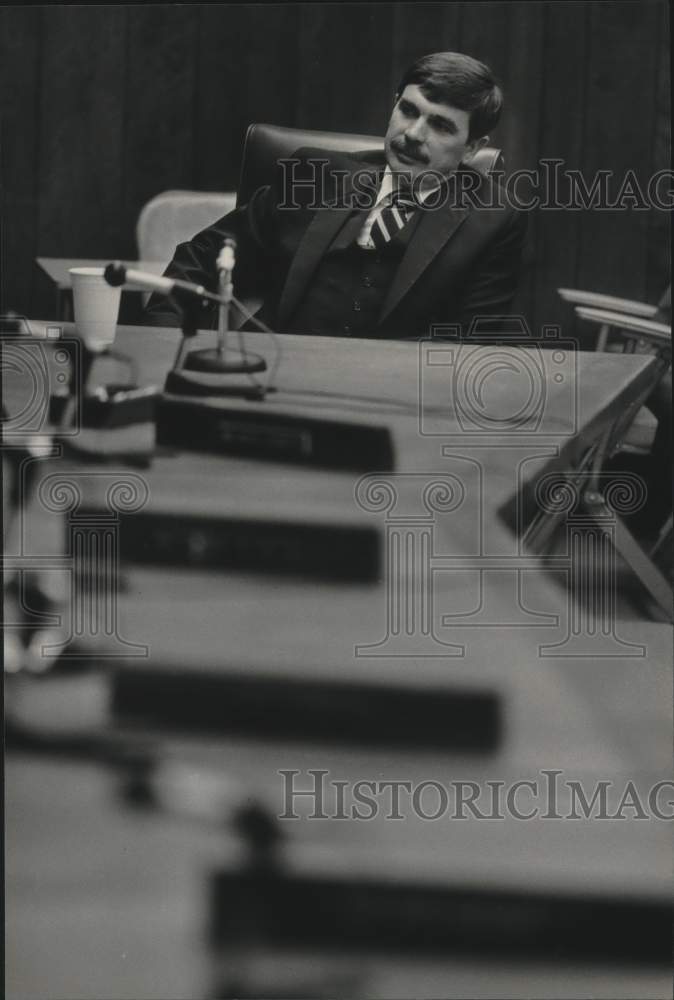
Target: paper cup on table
<point>96,307</point>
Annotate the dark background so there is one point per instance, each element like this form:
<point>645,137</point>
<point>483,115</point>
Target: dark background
<point>103,107</point>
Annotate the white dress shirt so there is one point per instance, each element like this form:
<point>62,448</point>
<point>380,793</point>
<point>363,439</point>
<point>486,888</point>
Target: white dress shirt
<point>387,187</point>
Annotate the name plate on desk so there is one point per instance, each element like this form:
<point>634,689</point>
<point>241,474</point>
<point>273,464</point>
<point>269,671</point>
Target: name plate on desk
<point>232,514</point>
<point>358,714</point>
<point>389,916</point>
<point>332,551</point>
<point>258,430</point>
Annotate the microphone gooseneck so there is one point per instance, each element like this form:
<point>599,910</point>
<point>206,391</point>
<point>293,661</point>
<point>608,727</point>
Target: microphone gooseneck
<point>225,265</point>
<point>203,372</point>
<point>117,274</point>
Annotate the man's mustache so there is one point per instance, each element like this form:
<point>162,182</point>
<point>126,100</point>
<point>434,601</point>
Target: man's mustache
<point>410,151</point>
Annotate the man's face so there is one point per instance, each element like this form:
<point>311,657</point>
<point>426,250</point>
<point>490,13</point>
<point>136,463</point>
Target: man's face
<point>423,135</point>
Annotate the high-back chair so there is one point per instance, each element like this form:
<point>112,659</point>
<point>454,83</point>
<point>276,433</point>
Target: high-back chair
<point>629,327</point>
<point>172,217</point>
<point>632,328</point>
<point>265,144</point>
<point>175,216</point>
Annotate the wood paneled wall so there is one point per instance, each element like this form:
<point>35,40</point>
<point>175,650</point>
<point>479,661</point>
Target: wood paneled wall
<point>103,107</point>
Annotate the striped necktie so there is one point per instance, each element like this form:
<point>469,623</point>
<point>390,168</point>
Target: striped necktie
<point>392,218</point>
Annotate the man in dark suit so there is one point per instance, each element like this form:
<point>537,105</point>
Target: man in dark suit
<point>378,244</point>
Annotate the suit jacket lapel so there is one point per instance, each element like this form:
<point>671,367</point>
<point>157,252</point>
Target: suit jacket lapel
<point>317,237</point>
<point>315,241</point>
<point>435,227</point>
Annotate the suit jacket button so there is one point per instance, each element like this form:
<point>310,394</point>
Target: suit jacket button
<point>367,281</point>
<point>356,306</point>
<point>347,330</point>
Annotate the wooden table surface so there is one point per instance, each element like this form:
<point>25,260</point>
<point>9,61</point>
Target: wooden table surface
<point>104,901</point>
<point>592,717</point>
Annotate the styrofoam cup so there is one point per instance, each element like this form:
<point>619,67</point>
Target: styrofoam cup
<point>96,307</point>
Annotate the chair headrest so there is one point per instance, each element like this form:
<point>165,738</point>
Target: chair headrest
<point>265,144</point>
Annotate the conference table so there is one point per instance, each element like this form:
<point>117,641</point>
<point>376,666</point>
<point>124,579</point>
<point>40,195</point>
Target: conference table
<point>272,617</point>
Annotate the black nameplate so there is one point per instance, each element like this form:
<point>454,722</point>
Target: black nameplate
<point>322,551</point>
<point>325,712</point>
<point>257,432</point>
<point>344,913</point>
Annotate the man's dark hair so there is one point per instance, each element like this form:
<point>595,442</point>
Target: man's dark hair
<point>463,82</point>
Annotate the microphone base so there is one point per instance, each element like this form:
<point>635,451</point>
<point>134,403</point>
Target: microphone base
<point>213,361</point>
<point>210,383</point>
<point>113,406</point>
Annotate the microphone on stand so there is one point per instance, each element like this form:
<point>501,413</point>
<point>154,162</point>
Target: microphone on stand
<point>118,274</point>
<point>204,372</point>
<point>221,360</point>
<point>225,265</point>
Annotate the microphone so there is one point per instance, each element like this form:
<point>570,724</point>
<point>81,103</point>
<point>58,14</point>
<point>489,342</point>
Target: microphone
<point>118,274</point>
<point>227,256</point>
<point>225,265</point>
